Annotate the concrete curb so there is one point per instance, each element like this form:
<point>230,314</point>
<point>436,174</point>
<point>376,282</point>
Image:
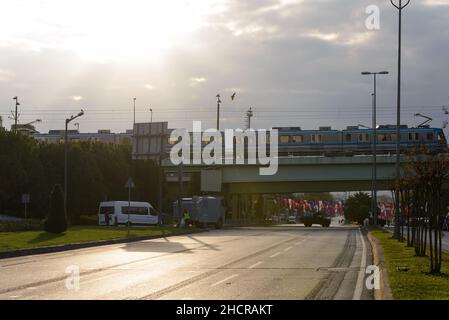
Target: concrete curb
<point>82,245</point>
<point>384,293</point>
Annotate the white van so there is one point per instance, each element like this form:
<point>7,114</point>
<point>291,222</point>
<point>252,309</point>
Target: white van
<point>127,213</point>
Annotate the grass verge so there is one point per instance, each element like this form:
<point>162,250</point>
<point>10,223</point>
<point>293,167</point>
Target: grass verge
<point>416,283</point>
<point>79,234</point>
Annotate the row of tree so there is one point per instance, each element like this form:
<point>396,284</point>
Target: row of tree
<point>424,203</point>
<point>96,172</point>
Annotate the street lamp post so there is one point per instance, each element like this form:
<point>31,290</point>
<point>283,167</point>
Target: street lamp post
<point>151,115</point>
<point>134,112</point>
<point>249,115</point>
<point>67,121</point>
<point>218,111</point>
<point>399,7</point>
<point>374,145</point>
<point>16,115</point>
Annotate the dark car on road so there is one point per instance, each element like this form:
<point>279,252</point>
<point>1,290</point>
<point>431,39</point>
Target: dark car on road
<point>309,218</point>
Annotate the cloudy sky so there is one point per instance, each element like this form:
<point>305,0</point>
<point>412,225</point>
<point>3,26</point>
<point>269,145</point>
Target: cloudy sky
<point>296,63</point>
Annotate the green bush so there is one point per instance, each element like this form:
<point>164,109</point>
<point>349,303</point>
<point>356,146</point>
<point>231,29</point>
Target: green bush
<point>56,221</point>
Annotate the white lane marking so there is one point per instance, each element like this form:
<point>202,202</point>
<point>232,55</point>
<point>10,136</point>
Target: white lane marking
<point>300,241</point>
<point>275,255</point>
<point>288,248</point>
<point>225,279</point>
<point>359,286</point>
<point>255,265</point>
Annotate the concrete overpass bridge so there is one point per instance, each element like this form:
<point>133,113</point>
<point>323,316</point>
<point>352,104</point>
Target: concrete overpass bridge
<point>241,185</point>
<point>300,174</point>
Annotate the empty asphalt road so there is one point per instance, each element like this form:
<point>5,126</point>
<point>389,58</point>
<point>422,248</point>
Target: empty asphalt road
<point>282,262</point>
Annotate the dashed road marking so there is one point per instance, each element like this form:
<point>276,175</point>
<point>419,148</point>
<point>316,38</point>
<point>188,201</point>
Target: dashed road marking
<point>224,280</point>
<point>275,255</point>
<point>288,248</point>
<point>255,265</point>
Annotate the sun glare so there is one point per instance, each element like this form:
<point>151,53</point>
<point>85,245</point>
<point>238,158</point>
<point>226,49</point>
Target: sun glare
<point>105,29</point>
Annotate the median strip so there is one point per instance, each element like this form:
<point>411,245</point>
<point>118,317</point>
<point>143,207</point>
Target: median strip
<point>16,244</point>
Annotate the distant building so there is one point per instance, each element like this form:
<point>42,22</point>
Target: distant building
<point>103,135</point>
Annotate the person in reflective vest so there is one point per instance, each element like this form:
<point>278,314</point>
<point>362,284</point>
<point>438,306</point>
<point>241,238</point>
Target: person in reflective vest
<point>186,217</point>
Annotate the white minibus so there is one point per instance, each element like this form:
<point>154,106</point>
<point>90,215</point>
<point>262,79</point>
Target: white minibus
<point>126,213</point>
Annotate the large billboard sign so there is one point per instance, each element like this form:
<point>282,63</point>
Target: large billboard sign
<point>149,140</point>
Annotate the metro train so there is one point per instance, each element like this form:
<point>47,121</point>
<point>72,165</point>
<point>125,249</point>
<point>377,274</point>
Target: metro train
<point>293,141</point>
<point>353,141</point>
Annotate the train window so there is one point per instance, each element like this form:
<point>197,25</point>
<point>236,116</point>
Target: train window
<point>410,136</point>
<point>381,137</point>
<point>363,137</point>
<point>348,137</point>
<point>317,138</point>
<point>416,136</point>
<point>430,136</point>
<point>284,139</point>
<point>297,139</point>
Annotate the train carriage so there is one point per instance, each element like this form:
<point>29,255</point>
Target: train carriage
<point>352,141</point>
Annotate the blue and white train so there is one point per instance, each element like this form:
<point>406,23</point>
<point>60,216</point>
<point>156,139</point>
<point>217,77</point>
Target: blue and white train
<point>352,141</point>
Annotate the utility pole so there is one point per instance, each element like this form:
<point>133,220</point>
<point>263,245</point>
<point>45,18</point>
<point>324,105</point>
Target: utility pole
<point>218,111</point>
<point>396,233</point>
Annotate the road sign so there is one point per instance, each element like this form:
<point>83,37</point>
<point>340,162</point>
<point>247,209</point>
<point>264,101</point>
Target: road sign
<point>25,198</point>
<point>129,184</point>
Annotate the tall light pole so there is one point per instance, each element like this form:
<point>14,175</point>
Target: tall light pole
<point>374,144</point>
<point>151,117</point>
<point>218,111</point>
<point>67,121</point>
<point>401,5</point>
<point>134,112</point>
<point>249,115</point>
<point>15,115</point>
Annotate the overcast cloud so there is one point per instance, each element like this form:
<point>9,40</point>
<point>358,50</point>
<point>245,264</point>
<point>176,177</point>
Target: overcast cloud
<point>296,63</point>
